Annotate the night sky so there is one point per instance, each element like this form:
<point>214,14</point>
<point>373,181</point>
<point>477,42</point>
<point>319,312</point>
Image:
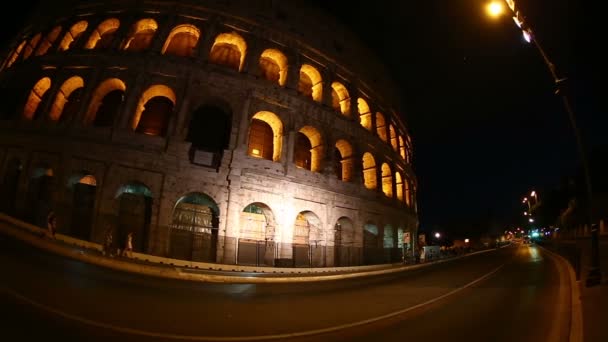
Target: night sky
<point>478,99</point>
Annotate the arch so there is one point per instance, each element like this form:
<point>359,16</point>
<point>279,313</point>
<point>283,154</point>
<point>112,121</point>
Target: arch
<point>48,41</point>
<point>31,46</point>
<point>308,240</point>
<point>15,54</point>
<point>103,35</point>
<point>261,144</point>
<point>343,159</point>
<point>84,189</point>
<point>389,236</point>
<point>372,252</point>
<point>310,83</point>
<point>194,228</point>
<point>105,103</point>
<point>154,110</point>
<point>67,100</point>
<point>393,137</point>
<point>408,193</point>
<point>257,235</point>
<point>399,185</point>
<point>365,115</point>
<point>73,35</point>
<point>381,126</point>
<point>10,185</point>
<point>134,214</point>
<point>309,150</point>
<point>345,249</point>
<point>369,171</point>
<point>387,180</point>
<point>401,239</point>
<point>182,41</point>
<point>37,94</point>
<point>273,64</point>
<point>141,35</point>
<point>40,193</point>
<point>401,147</point>
<point>229,50</point>
<point>340,99</point>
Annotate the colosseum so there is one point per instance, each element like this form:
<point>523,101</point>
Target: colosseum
<point>236,132</point>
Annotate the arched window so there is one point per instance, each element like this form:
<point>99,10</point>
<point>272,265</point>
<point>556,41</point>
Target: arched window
<point>228,50</point>
<point>402,147</point>
<point>393,137</point>
<point>399,185</point>
<point>141,35</point>
<point>387,180</point>
<point>265,136</point>
<point>310,83</point>
<point>182,41</point>
<point>103,35</point>
<point>369,171</point>
<point>343,158</point>
<point>381,126</point>
<point>105,103</point>
<point>73,35</point>
<point>48,41</point>
<point>273,64</point>
<point>67,100</point>
<point>309,152</point>
<point>340,100</point>
<point>15,54</point>
<point>408,193</point>
<point>365,115</point>
<point>154,111</point>
<point>35,98</point>
<point>31,46</point>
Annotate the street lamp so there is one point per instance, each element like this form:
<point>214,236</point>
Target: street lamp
<point>594,277</point>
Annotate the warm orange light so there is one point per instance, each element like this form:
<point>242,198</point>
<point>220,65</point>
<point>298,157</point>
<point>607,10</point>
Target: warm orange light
<point>255,151</point>
<point>495,8</point>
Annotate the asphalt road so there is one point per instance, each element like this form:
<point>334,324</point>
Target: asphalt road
<point>509,294</point>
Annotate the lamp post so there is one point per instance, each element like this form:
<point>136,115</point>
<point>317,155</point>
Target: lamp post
<point>496,8</point>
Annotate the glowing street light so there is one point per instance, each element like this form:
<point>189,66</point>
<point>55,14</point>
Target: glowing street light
<point>437,235</point>
<point>495,8</point>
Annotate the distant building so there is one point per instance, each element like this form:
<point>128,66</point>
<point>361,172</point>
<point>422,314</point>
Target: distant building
<point>237,132</point>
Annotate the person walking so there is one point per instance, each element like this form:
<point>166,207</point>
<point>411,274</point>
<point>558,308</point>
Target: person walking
<point>51,224</point>
<point>128,250</point>
<point>107,245</point>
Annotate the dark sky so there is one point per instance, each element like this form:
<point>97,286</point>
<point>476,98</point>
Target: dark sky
<point>478,100</point>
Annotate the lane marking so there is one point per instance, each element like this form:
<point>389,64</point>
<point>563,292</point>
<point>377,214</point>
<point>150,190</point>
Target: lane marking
<point>244,338</point>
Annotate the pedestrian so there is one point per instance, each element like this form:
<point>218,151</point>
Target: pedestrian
<point>107,244</point>
<point>51,224</point>
<point>128,250</point>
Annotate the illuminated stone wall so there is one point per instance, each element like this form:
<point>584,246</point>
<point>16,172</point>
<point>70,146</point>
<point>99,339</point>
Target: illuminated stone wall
<point>256,113</point>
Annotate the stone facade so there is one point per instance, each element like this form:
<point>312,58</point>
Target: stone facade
<point>315,167</point>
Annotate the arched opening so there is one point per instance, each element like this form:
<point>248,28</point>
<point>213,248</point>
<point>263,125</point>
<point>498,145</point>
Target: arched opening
<point>387,180</point>
<point>365,115</point>
<point>72,37</point>
<point>402,148</point>
<point>134,215</point>
<point>273,65</point>
<point>372,252</point>
<point>265,136</point>
<point>408,193</point>
<point>154,110</point>
<point>257,236</point>
<point>393,137</point>
<point>40,190</point>
<point>182,41</point>
<point>343,159</point>
<point>228,50</point>
<point>399,185</point>
<point>31,46</point>
<point>15,54</point>
<point>381,126</point>
<point>340,99</point>
<point>345,251</point>
<point>369,171</point>
<point>10,184</point>
<point>209,133</point>
<point>67,100</point>
<point>310,83</point>
<point>106,103</point>
<point>308,241</point>
<point>84,189</point>
<point>141,35</point>
<point>103,36</point>
<point>389,236</point>
<point>308,147</point>
<point>48,41</point>
<point>36,97</point>
<point>194,229</point>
